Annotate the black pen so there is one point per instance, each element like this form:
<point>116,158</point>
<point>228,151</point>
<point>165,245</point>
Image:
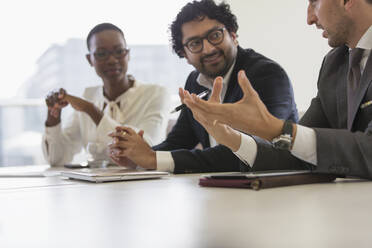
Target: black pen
<point>182,106</point>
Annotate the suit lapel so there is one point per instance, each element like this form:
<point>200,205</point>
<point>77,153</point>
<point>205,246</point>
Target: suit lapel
<point>365,81</point>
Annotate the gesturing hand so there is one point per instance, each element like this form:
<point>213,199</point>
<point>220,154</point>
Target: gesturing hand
<point>222,133</point>
<point>181,93</point>
<point>249,115</point>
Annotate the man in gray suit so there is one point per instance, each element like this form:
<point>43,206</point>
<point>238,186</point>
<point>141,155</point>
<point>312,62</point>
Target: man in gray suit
<point>335,134</point>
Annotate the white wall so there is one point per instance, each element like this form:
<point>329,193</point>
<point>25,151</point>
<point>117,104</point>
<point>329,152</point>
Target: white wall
<point>278,29</point>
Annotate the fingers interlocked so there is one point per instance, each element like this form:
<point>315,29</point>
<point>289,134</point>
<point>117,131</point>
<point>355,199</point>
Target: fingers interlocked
<point>121,141</point>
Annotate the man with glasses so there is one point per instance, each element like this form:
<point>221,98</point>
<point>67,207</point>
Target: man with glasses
<point>205,34</point>
<point>121,101</point>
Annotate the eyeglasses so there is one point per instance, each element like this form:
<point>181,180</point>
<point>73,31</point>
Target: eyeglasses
<point>117,53</point>
<point>214,37</point>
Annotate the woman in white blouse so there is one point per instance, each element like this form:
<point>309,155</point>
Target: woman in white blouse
<point>121,101</point>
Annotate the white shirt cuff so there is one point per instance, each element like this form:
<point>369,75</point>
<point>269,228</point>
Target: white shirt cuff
<point>53,132</point>
<point>304,146</point>
<point>247,151</point>
<point>164,161</point>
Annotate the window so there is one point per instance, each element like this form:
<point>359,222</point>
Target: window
<point>43,53</point>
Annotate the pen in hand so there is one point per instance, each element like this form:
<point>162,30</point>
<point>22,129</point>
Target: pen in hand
<point>182,106</point>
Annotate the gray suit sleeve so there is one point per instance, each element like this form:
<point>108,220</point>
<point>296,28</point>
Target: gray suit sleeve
<point>270,158</point>
<point>342,152</point>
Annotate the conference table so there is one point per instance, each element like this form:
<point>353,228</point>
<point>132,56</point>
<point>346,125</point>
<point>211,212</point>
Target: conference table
<point>176,212</point>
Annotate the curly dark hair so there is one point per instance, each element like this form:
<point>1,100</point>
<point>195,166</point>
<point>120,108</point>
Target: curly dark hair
<point>197,10</point>
<point>102,27</point>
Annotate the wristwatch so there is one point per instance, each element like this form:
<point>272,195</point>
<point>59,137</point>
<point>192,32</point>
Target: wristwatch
<point>284,140</point>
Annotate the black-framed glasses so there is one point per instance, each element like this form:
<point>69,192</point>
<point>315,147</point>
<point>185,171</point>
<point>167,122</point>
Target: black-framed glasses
<point>214,37</point>
<point>118,53</point>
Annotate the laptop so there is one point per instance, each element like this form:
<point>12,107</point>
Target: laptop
<point>99,175</point>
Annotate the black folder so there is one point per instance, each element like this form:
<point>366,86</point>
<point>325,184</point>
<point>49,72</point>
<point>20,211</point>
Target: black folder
<point>267,179</point>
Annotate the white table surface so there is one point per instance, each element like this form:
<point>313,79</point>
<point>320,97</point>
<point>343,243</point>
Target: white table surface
<point>176,212</point>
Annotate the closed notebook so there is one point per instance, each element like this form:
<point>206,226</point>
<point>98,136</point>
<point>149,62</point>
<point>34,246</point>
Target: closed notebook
<point>261,180</point>
<point>111,174</point>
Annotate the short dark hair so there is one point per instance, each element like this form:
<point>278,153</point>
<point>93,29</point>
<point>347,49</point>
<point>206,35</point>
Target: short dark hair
<point>369,1</point>
<point>197,10</point>
<point>102,27</point>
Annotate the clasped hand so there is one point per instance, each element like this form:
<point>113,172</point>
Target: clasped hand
<point>129,149</point>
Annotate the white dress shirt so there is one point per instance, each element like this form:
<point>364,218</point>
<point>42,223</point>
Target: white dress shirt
<point>164,159</point>
<point>304,146</point>
<point>142,107</point>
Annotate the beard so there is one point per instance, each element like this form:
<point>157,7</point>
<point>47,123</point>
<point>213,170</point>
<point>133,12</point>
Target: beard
<point>340,32</point>
<point>339,38</point>
<point>214,70</point>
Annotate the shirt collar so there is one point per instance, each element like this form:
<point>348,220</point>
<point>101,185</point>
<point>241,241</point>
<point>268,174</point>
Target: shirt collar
<point>103,101</point>
<point>119,98</point>
<point>366,41</point>
<point>207,82</point>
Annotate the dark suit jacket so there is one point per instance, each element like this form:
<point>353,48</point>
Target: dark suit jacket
<point>272,84</point>
<point>341,149</point>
